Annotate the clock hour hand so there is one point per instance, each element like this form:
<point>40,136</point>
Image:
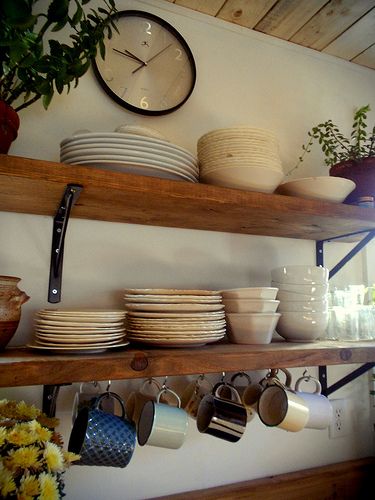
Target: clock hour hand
<point>130,55</point>
<point>151,58</point>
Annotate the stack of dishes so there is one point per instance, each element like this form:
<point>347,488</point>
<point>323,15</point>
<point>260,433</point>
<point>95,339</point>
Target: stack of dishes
<point>86,330</point>
<point>303,295</point>
<point>130,153</point>
<point>251,314</point>
<point>174,318</point>
<point>240,157</point>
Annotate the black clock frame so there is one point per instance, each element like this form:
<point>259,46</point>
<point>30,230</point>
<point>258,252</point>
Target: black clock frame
<point>176,34</point>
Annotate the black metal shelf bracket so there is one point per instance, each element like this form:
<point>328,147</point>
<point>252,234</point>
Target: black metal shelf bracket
<point>50,393</point>
<point>320,262</point>
<point>60,224</point>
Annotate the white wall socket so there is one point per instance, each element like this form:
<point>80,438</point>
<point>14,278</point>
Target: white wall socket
<point>340,423</point>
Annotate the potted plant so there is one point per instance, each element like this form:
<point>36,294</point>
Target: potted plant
<point>32,459</point>
<point>349,157</point>
<point>34,64</point>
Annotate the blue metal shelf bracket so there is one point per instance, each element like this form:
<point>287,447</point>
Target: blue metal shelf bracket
<point>320,262</point>
<point>60,224</point>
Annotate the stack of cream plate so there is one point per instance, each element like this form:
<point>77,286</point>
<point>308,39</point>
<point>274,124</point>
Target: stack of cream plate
<point>79,330</point>
<point>130,153</point>
<point>173,317</point>
<point>240,157</point>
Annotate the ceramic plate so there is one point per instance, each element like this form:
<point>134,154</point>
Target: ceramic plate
<point>77,349</point>
<point>170,299</point>
<point>79,324</point>
<point>177,316</point>
<point>169,334</point>
<point>175,307</point>
<point>168,291</point>
<point>73,344</point>
<point>177,343</point>
<point>73,339</point>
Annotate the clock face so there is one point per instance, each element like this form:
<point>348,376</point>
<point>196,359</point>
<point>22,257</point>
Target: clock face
<point>148,66</point>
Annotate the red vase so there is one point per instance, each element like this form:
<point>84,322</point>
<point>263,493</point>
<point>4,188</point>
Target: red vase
<point>362,172</point>
<point>9,124</point>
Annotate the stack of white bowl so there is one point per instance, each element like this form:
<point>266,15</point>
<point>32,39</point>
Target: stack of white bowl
<point>240,157</point>
<point>303,295</point>
<point>251,314</point>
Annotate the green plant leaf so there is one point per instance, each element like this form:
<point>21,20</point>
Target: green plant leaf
<point>46,99</point>
<point>58,11</point>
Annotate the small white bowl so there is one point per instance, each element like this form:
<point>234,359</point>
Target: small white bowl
<point>328,188</point>
<point>303,306</point>
<point>302,326</point>
<point>313,275</point>
<point>250,305</point>
<point>284,296</point>
<point>251,328</point>
<point>264,180</point>
<point>313,290</point>
<point>262,292</point>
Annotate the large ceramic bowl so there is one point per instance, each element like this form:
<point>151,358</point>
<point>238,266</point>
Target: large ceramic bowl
<point>251,328</point>
<point>328,188</point>
<point>250,305</point>
<point>284,296</point>
<point>300,274</point>
<point>313,290</point>
<point>302,326</point>
<point>261,292</point>
<point>247,178</point>
<point>303,306</point>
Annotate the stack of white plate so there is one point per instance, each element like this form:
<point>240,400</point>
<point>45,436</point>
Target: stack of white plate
<point>173,317</point>
<point>130,153</point>
<point>79,330</point>
<point>240,157</point>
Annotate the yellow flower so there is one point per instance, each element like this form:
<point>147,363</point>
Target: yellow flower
<point>25,457</point>
<point>22,435</point>
<point>7,484</point>
<point>48,487</point>
<point>27,412</point>
<point>3,435</point>
<point>29,486</point>
<point>40,433</point>
<point>54,457</point>
<point>70,457</point>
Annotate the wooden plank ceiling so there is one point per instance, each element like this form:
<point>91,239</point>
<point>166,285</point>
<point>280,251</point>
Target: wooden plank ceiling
<point>342,28</point>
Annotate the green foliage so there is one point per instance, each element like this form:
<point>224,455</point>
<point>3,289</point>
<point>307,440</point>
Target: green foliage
<point>336,147</point>
<point>32,63</point>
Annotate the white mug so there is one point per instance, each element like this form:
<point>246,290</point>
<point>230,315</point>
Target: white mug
<point>320,408</point>
<point>162,425</point>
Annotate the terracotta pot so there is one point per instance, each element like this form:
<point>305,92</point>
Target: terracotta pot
<point>362,172</point>
<point>9,124</point>
<point>11,300</point>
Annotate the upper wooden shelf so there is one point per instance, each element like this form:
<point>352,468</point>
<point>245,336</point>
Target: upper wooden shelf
<point>36,187</point>
<point>21,366</point>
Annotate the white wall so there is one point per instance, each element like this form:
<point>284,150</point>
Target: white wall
<point>243,78</point>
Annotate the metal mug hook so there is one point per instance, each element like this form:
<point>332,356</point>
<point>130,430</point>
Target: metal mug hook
<point>108,386</point>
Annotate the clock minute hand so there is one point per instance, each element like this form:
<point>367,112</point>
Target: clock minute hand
<point>151,58</point>
<point>129,54</point>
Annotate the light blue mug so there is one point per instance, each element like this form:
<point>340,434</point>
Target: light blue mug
<point>102,438</point>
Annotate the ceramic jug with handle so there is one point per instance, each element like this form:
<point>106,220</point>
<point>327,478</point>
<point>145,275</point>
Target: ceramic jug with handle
<point>11,300</point>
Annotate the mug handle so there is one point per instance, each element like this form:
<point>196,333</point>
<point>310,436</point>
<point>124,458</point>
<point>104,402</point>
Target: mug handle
<point>150,381</point>
<point>114,396</point>
<point>232,389</point>
<point>199,382</point>
<point>166,389</point>
<point>240,374</point>
<point>318,385</point>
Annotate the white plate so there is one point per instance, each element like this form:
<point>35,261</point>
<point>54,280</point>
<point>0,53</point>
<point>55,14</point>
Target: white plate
<point>175,307</point>
<point>79,324</point>
<point>168,334</point>
<point>73,344</point>
<point>209,325</point>
<point>77,349</point>
<point>134,151</point>
<point>179,316</point>
<point>88,312</point>
<point>169,291</point>
<point>187,299</point>
<point>72,331</point>
<point>177,343</point>
<point>93,137</point>
<point>137,169</point>
<point>73,339</point>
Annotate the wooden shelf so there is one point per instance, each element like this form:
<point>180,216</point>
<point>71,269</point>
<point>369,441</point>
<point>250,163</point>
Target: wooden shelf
<point>37,186</point>
<point>22,366</point>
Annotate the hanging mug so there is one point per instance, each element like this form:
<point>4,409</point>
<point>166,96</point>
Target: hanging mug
<point>102,438</point>
<point>137,399</point>
<point>241,389</point>
<point>162,425</point>
<point>320,408</point>
<point>221,417</point>
<point>194,393</point>
<point>253,391</point>
<point>85,397</point>
<point>280,406</point>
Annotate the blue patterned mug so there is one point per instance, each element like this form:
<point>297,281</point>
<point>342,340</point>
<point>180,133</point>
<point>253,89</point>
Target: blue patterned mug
<point>102,438</point>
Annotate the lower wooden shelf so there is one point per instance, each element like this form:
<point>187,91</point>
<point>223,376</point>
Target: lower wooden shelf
<point>21,366</point>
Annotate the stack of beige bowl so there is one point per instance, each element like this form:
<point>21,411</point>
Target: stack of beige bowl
<point>251,314</point>
<point>174,317</point>
<point>240,157</point>
<point>303,295</point>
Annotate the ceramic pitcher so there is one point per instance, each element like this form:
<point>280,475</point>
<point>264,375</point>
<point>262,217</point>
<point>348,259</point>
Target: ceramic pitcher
<point>11,300</point>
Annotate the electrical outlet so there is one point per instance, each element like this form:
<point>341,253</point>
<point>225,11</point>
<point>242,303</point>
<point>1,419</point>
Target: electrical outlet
<point>339,426</point>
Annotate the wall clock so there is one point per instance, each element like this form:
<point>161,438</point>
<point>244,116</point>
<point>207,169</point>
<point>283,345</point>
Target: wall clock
<point>148,67</point>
